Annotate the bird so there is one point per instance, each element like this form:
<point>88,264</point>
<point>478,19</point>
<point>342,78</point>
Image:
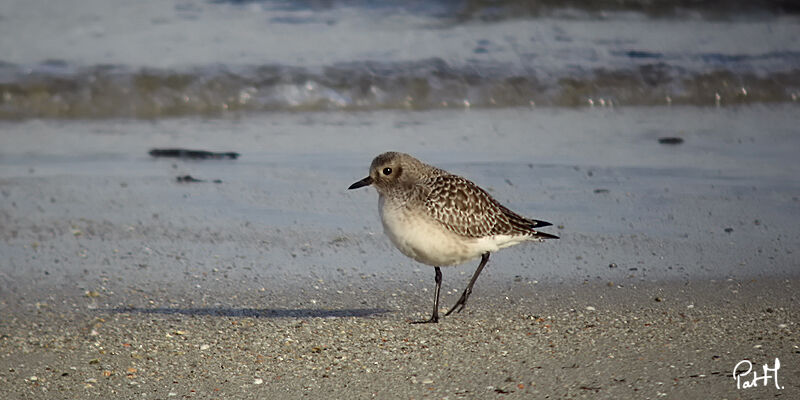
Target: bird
<point>442,219</point>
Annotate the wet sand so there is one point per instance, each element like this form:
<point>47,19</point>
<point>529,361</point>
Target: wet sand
<point>675,263</point>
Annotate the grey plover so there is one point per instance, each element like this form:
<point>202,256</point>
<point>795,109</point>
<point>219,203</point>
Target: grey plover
<point>441,219</point>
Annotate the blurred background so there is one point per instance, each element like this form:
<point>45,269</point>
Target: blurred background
<point>153,59</point>
<point>660,136</point>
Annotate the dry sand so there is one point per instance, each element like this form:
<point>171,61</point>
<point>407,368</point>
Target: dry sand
<point>675,263</point>
<point>651,341</point>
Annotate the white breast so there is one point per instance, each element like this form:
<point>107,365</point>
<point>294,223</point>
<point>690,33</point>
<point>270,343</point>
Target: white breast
<point>420,237</point>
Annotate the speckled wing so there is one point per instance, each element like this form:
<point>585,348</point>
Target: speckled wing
<point>469,211</point>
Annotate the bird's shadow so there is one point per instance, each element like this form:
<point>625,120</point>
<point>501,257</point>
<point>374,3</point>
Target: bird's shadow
<point>255,312</point>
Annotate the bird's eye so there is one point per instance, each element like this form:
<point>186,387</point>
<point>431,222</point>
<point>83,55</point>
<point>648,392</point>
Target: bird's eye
<point>387,171</point>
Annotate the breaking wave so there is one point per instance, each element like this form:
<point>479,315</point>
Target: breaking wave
<point>57,90</point>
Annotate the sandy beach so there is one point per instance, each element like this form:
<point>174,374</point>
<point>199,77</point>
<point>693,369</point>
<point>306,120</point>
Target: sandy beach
<point>676,261</point>
<point>515,340</point>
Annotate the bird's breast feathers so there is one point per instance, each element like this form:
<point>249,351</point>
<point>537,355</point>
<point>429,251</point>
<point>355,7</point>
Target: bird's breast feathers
<point>423,238</point>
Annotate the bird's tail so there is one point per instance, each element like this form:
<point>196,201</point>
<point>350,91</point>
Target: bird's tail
<point>542,235</point>
<point>527,225</point>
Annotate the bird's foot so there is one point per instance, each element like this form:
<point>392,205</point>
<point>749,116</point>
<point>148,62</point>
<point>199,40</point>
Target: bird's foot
<point>433,320</point>
<point>459,304</point>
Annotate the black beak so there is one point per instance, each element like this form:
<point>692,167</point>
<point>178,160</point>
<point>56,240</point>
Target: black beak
<point>364,182</point>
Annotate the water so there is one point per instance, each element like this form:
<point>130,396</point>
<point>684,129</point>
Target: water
<point>555,107</point>
<point>101,59</point>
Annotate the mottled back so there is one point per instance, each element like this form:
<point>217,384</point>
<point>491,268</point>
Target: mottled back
<point>469,211</point>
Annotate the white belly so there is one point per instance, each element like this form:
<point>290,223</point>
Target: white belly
<point>425,240</point>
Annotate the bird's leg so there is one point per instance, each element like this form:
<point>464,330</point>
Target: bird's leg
<point>464,296</point>
<point>435,317</point>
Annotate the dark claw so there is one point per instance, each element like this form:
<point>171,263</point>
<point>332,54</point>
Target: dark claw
<point>432,320</point>
<point>459,304</point>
